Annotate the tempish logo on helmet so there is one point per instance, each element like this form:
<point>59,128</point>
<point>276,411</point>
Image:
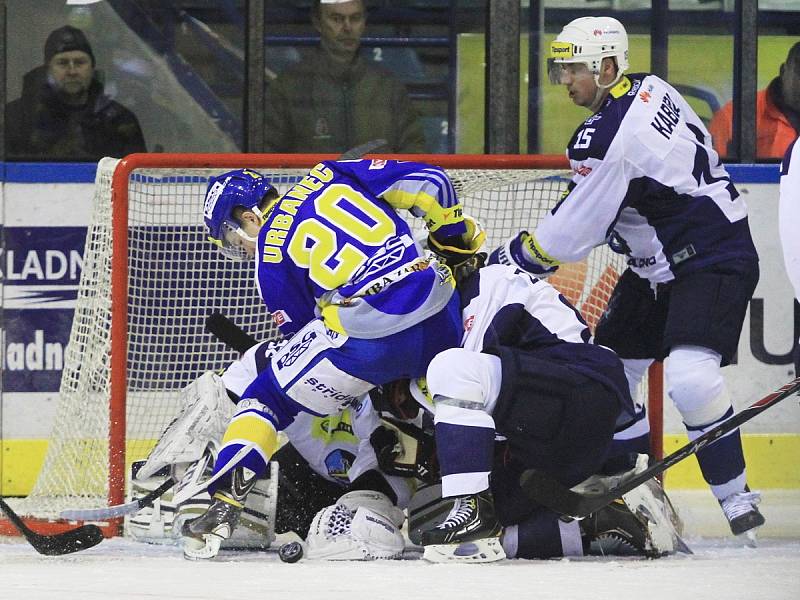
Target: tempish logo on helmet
<point>561,50</point>
<point>212,197</point>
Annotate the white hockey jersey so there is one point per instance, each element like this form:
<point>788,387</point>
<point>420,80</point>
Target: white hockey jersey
<point>647,180</point>
<point>505,307</point>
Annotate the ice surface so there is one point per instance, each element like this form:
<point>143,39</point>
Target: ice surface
<point>122,569</point>
<point>721,568</point>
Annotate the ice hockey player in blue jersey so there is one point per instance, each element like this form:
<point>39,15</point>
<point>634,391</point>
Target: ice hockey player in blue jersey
<point>527,371</point>
<point>647,181</point>
<point>341,273</point>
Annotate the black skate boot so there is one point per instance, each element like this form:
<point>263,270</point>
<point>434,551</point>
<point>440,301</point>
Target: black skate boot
<point>741,510</point>
<point>203,536</point>
<point>470,533</point>
<point>615,530</point>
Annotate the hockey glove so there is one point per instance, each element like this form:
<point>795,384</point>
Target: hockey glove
<point>519,251</point>
<point>456,250</point>
<point>405,450</point>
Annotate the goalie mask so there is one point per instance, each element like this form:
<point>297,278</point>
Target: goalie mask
<point>241,188</point>
<point>588,40</point>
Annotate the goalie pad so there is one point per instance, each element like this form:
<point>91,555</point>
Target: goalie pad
<point>377,502</point>
<point>426,510</point>
<point>340,533</point>
<point>162,522</point>
<point>204,416</point>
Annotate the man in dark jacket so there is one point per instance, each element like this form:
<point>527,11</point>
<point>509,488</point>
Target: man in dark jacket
<point>63,113</point>
<point>334,99</point>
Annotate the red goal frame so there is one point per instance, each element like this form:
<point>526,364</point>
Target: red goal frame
<point>119,283</point>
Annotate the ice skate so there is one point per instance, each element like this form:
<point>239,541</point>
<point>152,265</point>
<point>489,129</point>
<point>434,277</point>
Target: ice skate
<point>470,533</point>
<point>202,536</point>
<point>615,530</point>
<point>744,518</point>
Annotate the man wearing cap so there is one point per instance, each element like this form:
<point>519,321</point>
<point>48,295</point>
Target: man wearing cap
<point>335,99</point>
<point>63,113</point>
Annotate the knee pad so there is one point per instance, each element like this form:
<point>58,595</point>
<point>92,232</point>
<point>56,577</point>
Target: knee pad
<point>468,376</point>
<point>695,384</point>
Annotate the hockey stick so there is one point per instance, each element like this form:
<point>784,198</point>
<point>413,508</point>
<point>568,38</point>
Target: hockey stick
<point>118,510</point>
<point>229,333</point>
<point>544,489</point>
<point>365,148</point>
<point>67,542</point>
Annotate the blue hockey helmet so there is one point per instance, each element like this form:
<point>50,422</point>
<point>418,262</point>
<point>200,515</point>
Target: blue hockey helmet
<point>243,187</point>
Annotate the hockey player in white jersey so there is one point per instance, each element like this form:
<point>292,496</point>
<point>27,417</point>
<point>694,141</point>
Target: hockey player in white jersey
<point>527,371</point>
<point>647,181</point>
<point>788,222</point>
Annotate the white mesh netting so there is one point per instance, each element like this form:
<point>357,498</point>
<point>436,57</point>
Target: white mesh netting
<point>177,278</point>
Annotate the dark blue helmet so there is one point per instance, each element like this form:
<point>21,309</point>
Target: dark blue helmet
<point>242,187</point>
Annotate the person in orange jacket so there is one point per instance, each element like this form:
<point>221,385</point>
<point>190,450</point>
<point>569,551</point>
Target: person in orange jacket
<point>777,113</point>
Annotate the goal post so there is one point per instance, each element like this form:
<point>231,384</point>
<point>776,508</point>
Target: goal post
<point>150,278</point>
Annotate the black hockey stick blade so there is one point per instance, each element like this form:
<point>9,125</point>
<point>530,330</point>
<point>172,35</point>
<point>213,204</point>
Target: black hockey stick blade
<point>118,510</point>
<point>67,542</point>
<point>547,491</point>
<point>229,333</point>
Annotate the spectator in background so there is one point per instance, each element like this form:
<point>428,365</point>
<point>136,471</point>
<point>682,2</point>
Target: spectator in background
<point>334,99</point>
<point>63,113</point>
<point>788,222</point>
<point>777,113</point>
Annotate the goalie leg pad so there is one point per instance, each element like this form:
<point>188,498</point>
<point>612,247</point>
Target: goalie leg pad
<point>377,502</point>
<point>204,416</point>
<point>337,533</point>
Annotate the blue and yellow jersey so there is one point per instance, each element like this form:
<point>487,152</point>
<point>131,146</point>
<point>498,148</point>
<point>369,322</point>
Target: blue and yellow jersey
<point>337,235</point>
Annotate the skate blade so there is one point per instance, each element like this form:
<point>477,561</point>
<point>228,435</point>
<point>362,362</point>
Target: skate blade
<point>749,537</point>
<point>485,550</point>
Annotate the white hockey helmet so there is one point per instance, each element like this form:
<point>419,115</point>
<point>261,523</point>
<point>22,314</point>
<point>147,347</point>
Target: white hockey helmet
<point>589,40</point>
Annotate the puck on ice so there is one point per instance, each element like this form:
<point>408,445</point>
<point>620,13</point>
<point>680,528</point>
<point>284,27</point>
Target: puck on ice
<point>291,552</point>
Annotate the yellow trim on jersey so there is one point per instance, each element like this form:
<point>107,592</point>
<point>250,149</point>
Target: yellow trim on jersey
<point>621,88</point>
<point>330,316</point>
<point>253,428</point>
<point>538,252</point>
<point>435,214</point>
<point>334,427</point>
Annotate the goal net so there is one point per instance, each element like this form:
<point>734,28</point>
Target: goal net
<point>150,279</point>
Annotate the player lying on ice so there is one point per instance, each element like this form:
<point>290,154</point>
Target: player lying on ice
<point>527,370</point>
<point>340,272</point>
<point>576,446</point>
<point>647,180</point>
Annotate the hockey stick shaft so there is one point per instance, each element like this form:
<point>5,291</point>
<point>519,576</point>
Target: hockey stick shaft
<point>118,510</point>
<point>545,490</point>
<point>229,333</point>
<point>67,542</point>
<point>232,336</point>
